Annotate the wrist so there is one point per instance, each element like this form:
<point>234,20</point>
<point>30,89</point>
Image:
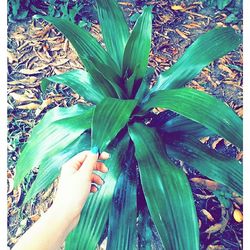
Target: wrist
<point>61,218</point>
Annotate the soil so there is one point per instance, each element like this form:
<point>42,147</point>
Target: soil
<point>36,49</point>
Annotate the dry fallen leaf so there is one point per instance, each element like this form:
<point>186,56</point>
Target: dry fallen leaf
<point>204,139</point>
<point>214,228</point>
<point>239,155</point>
<point>192,25</point>
<point>27,80</point>
<point>215,247</point>
<point>17,194</point>
<point>9,202</point>
<point>46,103</point>
<point>239,111</point>
<point>21,97</point>
<point>208,215</point>
<point>29,106</point>
<point>11,57</point>
<point>33,71</point>
<point>211,185</point>
<point>225,68</point>
<point>214,144</point>
<point>238,216</point>
<point>177,7</point>
<point>34,217</point>
<point>10,185</point>
<point>182,34</point>
<point>60,62</point>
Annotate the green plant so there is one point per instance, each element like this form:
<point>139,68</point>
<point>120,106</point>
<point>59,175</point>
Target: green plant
<point>17,9</point>
<point>233,8</point>
<point>116,82</point>
<point>74,11</point>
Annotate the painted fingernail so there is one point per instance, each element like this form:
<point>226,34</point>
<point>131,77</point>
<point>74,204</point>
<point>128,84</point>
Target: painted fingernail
<point>94,150</point>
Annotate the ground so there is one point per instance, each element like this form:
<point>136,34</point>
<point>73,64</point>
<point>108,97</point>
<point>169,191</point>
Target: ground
<point>36,49</point>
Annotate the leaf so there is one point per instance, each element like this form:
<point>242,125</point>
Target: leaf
<point>144,88</point>
<point>177,7</point>
<point>95,212</point>
<point>144,230</point>
<point>137,49</point>
<point>84,44</point>
<point>34,71</point>
<point>231,19</point>
<point>109,117</point>
<point>223,3</point>
<point>202,108</point>
<point>109,86</point>
<point>208,162</point>
<point>133,18</point>
<point>58,128</point>
<point>167,191</point>
<point>238,215</point>
<point>180,124</point>
<point>81,82</point>
<point>123,213</point>
<point>29,106</point>
<point>115,30</point>
<point>207,48</point>
<point>50,168</point>
<point>109,78</point>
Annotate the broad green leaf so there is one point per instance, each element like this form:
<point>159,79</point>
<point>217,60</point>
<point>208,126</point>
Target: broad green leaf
<point>129,83</point>
<point>123,213</point>
<point>58,128</point>
<point>109,117</point>
<point>144,230</point>
<point>81,82</point>
<point>144,88</point>
<point>208,162</point>
<point>50,168</point>
<point>111,88</point>
<point>202,108</point>
<point>223,3</point>
<point>167,191</point>
<point>84,44</point>
<point>180,124</point>
<point>109,77</point>
<point>137,49</point>
<point>115,30</point>
<point>95,212</point>
<point>207,48</point>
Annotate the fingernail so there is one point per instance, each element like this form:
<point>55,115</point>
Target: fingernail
<point>94,150</point>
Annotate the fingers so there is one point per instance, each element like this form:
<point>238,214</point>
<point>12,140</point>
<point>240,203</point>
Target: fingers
<point>100,166</point>
<point>89,163</point>
<point>85,160</point>
<point>96,179</point>
<point>93,189</point>
<point>104,156</point>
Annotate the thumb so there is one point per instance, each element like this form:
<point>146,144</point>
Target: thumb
<point>90,161</point>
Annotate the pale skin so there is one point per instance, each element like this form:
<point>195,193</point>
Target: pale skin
<point>75,184</point>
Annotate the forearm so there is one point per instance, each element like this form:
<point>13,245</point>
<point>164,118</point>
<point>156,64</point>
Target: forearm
<point>48,233</point>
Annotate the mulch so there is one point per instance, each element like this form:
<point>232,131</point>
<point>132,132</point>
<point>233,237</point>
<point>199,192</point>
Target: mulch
<point>36,50</point>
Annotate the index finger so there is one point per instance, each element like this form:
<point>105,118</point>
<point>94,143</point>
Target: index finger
<point>89,163</point>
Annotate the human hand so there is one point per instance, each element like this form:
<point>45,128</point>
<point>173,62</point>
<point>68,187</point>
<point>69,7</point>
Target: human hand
<point>75,184</point>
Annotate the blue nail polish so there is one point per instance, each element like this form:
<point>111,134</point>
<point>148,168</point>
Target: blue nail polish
<point>94,150</point>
